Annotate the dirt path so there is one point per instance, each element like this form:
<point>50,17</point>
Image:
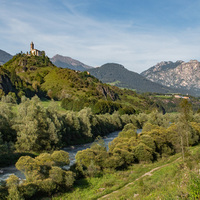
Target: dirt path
<point>146,174</point>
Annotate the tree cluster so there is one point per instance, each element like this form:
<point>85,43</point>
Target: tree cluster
<point>44,176</point>
<point>159,138</point>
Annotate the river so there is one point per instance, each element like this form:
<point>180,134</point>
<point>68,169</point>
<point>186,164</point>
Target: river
<point>7,171</point>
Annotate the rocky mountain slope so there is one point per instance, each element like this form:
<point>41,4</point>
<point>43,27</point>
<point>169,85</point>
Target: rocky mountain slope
<point>4,57</point>
<point>179,75</point>
<point>67,62</point>
<point>118,75</point>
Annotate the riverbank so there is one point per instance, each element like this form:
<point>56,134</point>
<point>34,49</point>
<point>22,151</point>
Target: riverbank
<point>11,169</point>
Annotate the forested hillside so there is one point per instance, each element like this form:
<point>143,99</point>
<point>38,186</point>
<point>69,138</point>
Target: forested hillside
<point>33,75</point>
<point>118,75</point>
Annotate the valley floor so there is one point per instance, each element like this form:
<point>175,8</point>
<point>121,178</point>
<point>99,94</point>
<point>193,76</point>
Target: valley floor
<point>169,178</point>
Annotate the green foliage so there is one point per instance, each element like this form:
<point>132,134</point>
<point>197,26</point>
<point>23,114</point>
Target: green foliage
<point>194,186</point>
<point>13,188</point>
<point>43,174</point>
<point>37,128</point>
<point>128,131</point>
<point>8,134</point>
<point>143,153</point>
<point>60,158</point>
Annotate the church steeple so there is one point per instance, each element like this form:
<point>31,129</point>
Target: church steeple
<point>32,46</point>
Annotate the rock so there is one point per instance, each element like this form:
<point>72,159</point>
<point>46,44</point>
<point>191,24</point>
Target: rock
<point>101,189</point>
<point>180,75</point>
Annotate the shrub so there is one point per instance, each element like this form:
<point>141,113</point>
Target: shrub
<point>143,153</point>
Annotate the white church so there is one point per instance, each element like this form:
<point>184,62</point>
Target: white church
<point>36,52</point>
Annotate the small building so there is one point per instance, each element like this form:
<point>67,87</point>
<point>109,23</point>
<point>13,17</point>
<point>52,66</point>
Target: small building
<point>36,52</point>
<point>181,97</point>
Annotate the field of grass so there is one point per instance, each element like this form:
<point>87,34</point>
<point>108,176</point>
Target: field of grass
<point>163,96</point>
<point>128,183</point>
<point>46,104</point>
<point>114,83</point>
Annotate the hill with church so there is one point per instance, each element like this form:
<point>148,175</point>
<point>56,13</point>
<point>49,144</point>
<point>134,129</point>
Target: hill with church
<point>34,74</point>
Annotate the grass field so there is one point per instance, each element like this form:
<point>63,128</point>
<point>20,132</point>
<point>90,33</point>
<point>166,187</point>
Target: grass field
<point>129,183</point>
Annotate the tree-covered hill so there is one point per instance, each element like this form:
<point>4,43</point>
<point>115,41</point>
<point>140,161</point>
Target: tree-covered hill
<point>42,77</point>
<point>118,75</point>
<point>29,75</point>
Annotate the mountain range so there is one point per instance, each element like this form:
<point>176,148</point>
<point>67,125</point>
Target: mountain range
<point>118,75</point>
<point>179,75</point>
<point>164,77</point>
<point>4,57</point>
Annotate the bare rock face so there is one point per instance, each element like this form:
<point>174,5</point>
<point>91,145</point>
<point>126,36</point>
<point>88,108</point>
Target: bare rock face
<point>107,92</point>
<point>182,75</point>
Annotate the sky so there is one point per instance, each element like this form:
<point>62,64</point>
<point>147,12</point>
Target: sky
<point>135,33</point>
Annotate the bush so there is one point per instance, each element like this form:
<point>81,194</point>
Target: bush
<point>60,158</point>
<point>143,153</point>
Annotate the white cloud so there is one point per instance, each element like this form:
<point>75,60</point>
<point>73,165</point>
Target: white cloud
<point>93,42</point>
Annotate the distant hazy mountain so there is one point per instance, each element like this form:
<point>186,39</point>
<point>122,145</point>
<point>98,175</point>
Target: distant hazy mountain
<point>4,57</point>
<point>180,75</point>
<point>118,75</point>
<point>67,62</point>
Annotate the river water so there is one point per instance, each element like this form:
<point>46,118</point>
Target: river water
<point>7,171</point>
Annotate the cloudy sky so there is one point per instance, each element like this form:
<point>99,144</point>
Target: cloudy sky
<point>135,33</point>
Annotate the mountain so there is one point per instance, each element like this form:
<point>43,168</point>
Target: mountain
<point>67,62</point>
<point>4,57</point>
<point>118,75</point>
<point>179,75</point>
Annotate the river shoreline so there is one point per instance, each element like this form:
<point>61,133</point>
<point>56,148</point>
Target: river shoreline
<point>72,150</point>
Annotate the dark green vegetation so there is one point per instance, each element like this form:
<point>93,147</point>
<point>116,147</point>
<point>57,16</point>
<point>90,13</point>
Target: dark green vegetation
<point>30,127</point>
<point>32,75</point>
<point>126,166</point>
<point>91,109</point>
<point>43,176</point>
<point>117,75</point>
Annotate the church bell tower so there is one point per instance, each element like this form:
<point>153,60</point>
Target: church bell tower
<point>32,46</point>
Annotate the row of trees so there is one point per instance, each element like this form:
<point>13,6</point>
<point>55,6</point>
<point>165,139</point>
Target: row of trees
<point>32,127</point>
<point>97,106</point>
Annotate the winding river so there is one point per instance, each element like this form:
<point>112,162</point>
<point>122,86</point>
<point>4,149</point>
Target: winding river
<point>7,171</point>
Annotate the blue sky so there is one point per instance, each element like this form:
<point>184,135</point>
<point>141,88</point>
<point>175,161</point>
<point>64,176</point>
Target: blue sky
<point>135,33</point>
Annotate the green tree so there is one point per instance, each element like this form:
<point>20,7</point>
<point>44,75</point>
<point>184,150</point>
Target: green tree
<point>38,129</point>
<point>183,124</point>
<point>143,153</point>
<point>13,191</point>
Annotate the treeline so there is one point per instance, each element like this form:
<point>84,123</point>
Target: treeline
<point>161,136</point>
<point>97,106</point>
<point>29,127</point>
